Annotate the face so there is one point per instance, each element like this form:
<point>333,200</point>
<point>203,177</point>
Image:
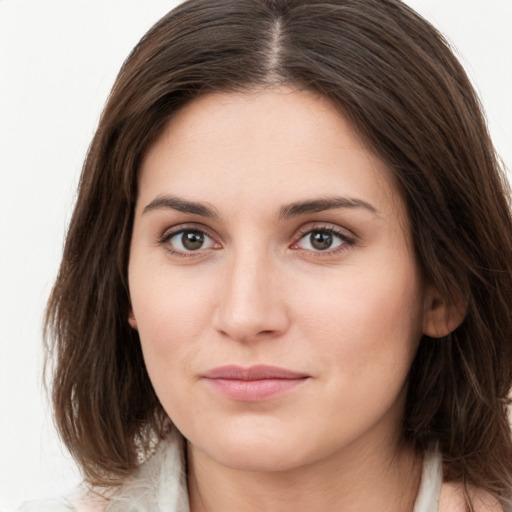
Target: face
<point>273,283</point>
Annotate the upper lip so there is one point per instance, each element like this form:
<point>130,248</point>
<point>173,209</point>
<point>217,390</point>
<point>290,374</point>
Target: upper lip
<point>256,372</point>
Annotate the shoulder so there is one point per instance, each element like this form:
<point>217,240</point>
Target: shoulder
<point>452,499</point>
<point>47,506</point>
<point>60,506</point>
<point>158,484</point>
<point>82,503</point>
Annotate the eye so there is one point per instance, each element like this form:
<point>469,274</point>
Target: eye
<point>323,240</point>
<point>188,240</point>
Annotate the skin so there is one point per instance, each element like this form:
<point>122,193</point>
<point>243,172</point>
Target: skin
<point>258,291</point>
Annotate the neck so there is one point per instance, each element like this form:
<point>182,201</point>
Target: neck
<point>360,478</point>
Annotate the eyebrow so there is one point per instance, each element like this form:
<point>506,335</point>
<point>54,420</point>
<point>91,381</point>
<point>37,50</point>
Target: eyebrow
<point>291,210</point>
<point>181,205</point>
<point>320,205</point>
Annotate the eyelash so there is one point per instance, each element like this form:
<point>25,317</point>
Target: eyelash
<point>347,241</point>
<point>169,235</point>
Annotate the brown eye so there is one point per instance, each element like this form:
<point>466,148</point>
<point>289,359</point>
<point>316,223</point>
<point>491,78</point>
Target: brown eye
<point>320,241</point>
<point>192,240</point>
<point>189,240</point>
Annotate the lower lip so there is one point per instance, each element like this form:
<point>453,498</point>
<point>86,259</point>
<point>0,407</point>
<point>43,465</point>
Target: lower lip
<point>254,390</point>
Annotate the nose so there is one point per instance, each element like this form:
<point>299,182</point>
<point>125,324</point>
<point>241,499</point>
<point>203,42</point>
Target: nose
<point>251,302</point>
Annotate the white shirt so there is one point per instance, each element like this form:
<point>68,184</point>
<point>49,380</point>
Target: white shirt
<point>160,486</point>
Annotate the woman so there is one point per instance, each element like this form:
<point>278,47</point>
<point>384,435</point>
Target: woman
<point>288,272</point>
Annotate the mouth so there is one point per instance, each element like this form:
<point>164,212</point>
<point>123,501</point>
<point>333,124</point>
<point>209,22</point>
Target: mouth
<point>253,384</point>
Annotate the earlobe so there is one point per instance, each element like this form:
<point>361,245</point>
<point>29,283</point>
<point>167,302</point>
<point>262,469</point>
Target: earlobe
<point>131,320</point>
<point>441,317</point>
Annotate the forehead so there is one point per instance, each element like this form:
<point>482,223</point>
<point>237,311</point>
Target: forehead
<point>278,145</point>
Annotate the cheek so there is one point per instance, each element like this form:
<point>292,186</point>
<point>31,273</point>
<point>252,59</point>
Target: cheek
<point>366,320</point>
<point>171,311</point>
<point>363,335</point>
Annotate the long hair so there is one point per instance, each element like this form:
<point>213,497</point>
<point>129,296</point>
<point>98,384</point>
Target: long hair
<point>396,80</point>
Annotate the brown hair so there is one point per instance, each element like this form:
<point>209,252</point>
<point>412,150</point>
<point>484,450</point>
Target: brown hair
<point>397,81</point>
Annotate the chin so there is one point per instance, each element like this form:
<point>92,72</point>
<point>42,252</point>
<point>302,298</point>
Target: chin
<point>253,451</point>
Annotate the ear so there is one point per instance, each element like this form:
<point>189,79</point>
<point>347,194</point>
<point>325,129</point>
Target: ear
<point>131,320</point>
<point>441,317</point>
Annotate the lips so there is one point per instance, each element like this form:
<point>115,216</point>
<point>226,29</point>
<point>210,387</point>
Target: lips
<point>257,372</point>
<point>256,383</point>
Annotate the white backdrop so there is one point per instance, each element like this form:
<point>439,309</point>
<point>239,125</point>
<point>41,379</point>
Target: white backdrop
<point>58,60</point>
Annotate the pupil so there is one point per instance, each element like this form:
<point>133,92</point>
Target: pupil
<point>321,240</point>
<point>192,240</point>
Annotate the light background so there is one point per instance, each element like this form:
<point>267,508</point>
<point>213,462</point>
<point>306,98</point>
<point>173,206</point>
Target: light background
<point>58,60</point>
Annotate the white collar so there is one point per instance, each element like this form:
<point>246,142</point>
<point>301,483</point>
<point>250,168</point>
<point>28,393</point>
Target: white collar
<point>160,484</point>
<point>431,480</point>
